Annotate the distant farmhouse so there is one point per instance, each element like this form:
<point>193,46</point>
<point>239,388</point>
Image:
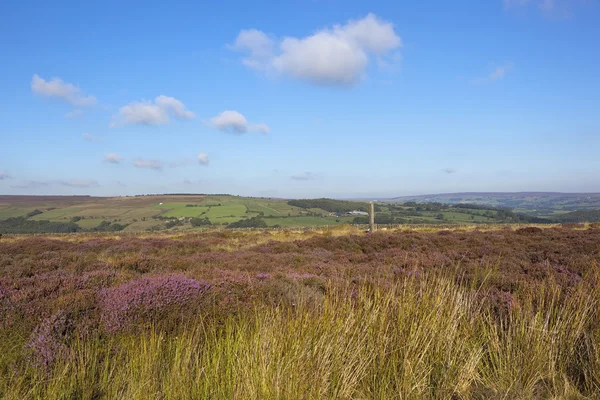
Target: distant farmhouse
<point>354,213</point>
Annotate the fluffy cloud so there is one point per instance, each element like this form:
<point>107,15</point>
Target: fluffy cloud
<point>61,90</point>
<point>158,112</point>
<point>113,158</point>
<point>497,74</point>
<point>79,183</point>
<point>336,56</point>
<point>258,46</point>
<point>203,158</point>
<point>235,122</point>
<point>4,175</point>
<point>91,138</point>
<point>307,176</point>
<point>152,164</point>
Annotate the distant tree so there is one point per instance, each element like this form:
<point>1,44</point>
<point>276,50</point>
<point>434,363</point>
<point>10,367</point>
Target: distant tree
<point>23,225</point>
<point>200,221</point>
<point>254,222</point>
<point>34,212</point>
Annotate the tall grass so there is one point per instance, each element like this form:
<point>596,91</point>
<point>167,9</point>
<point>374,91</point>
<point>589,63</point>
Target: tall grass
<point>425,337</point>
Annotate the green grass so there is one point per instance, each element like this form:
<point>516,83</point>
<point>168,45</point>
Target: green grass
<point>180,210</point>
<point>227,210</point>
<point>58,214</point>
<point>10,212</point>
<point>423,338</point>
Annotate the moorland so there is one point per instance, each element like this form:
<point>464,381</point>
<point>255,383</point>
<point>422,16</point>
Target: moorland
<point>479,311</point>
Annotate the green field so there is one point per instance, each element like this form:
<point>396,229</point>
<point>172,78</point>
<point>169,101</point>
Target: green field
<point>175,212</point>
<point>179,210</point>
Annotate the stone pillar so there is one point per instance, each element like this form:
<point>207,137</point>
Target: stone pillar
<point>372,218</point>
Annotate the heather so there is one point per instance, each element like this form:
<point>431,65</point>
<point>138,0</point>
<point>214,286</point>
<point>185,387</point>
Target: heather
<point>334,313</point>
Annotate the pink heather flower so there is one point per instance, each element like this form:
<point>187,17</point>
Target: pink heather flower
<point>121,306</point>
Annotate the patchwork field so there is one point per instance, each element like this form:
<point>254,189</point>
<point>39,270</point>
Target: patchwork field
<point>483,312</point>
<point>56,214</point>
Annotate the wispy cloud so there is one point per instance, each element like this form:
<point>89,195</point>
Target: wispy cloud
<point>113,158</point>
<point>77,183</point>
<point>549,8</point>
<point>91,138</point>
<point>191,182</point>
<point>4,175</point>
<point>61,90</point>
<point>145,112</point>
<point>30,185</point>
<point>306,176</point>
<point>346,48</point>
<point>151,164</point>
<point>181,163</point>
<point>496,74</point>
<point>234,122</point>
<point>76,113</point>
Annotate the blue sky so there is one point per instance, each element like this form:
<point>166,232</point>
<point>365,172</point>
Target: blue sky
<point>299,98</point>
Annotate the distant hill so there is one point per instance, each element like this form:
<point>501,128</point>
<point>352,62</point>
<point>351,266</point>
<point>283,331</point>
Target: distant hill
<point>522,201</point>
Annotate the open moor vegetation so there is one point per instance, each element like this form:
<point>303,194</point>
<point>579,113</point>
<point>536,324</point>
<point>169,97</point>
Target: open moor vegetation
<point>332,313</point>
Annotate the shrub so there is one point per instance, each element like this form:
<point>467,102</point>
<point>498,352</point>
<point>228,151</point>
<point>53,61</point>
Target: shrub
<point>145,299</point>
<point>254,222</point>
<point>200,221</point>
<point>48,342</point>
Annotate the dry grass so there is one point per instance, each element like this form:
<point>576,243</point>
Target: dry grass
<point>309,314</point>
<point>424,338</point>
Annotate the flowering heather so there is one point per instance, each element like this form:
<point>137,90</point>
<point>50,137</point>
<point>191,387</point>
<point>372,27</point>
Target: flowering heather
<point>145,298</point>
<point>48,341</point>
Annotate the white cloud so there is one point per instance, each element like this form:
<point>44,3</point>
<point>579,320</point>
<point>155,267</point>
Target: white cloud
<point>259,46</point>
<point>4,175</point>
<point>152,164</point>
<point>203,158</point>
<point>113,158</point>
<point>306,176</point>
<point>174,106</point>
<point>336,56</point>
<point>497,74</point>
<point>235,122</point>
<point>91,138</point>
<point>158,112</point>
<point>61,90</point>
<point>79,183</point>
<point>76,113</point>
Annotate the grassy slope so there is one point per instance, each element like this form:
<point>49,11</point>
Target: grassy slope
<point>139,212</point>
